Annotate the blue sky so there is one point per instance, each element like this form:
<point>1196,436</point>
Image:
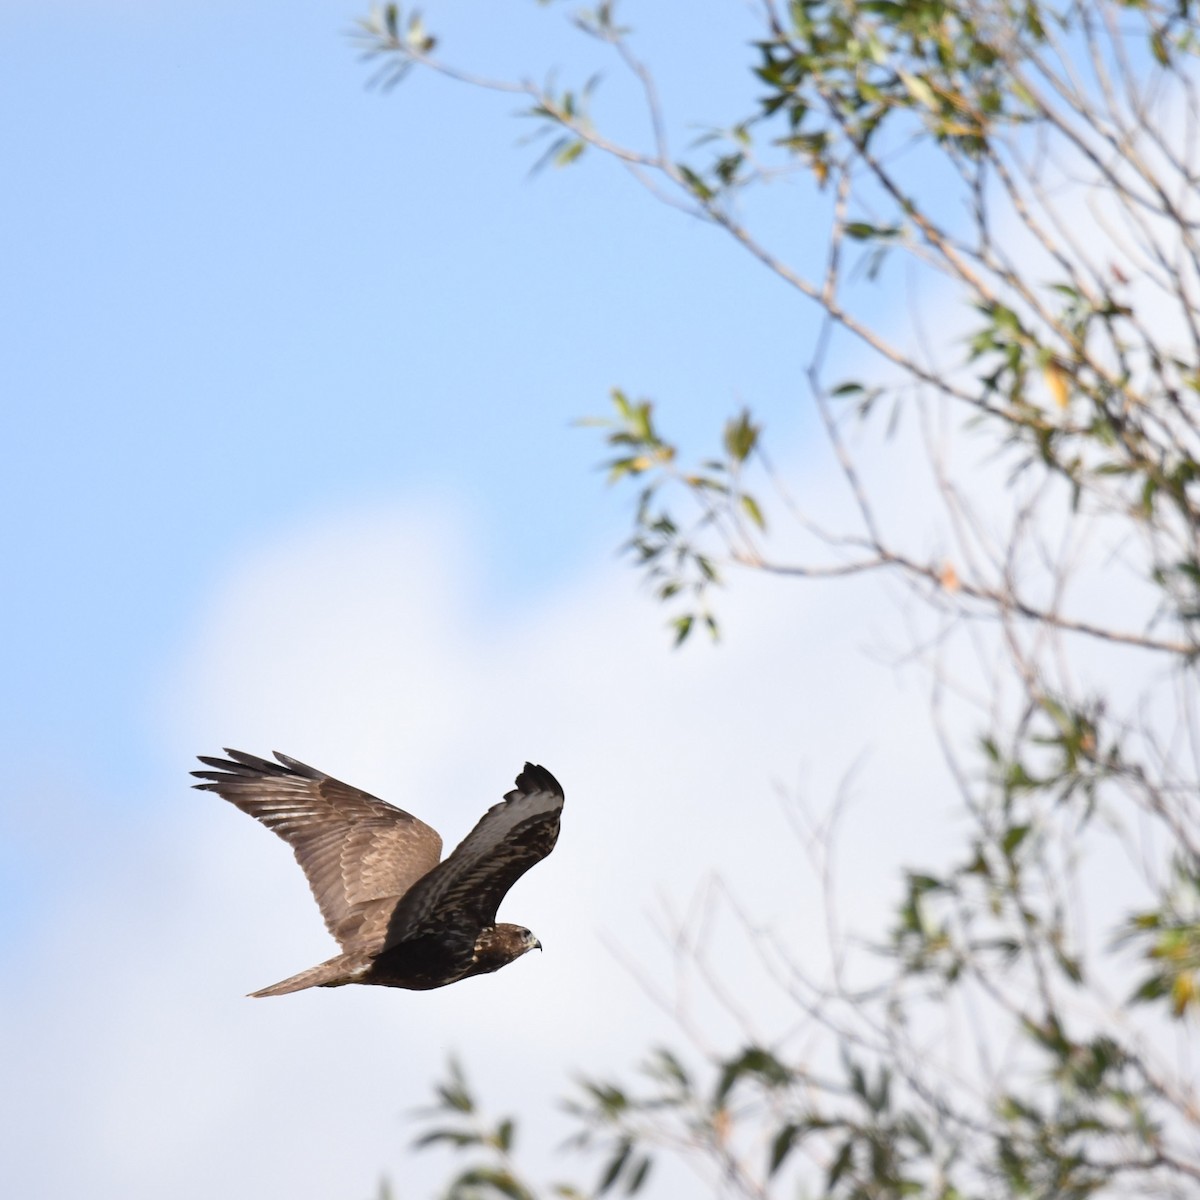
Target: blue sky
<point>240,289</point>
<point>289,374</point>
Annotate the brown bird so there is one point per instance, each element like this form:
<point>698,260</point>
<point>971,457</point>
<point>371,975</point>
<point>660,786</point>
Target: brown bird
<point>402,917</point>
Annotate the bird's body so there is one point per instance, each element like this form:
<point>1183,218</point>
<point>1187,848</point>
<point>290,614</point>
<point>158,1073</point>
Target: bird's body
<point>403,917</point>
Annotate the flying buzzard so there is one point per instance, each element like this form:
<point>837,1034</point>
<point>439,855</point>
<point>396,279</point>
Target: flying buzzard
<point>402,917</point>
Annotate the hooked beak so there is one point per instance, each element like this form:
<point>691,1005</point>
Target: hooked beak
<point>534,943</point>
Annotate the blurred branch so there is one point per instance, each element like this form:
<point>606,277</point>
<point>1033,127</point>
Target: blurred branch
<point>1043,162</point>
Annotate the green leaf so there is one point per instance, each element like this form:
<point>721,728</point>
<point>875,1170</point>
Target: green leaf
<point>1013,837</point>
<point>664,1065</point>
<point>920,884</point>
<point>501,1182</point>
<point>638,1176</point>
<point>612,1100</point>
<point>570,152</point>
<point>756,1062</point>
<point>919,89</point>
<point>1153,988</point>
<point>453,1093</point>
<point>615,1166</point>
<point>750,505</point>
<point>741,436</point>
<point>839,1165</point>
<point>634,464</point>
<point>455,1137</point>
<point>504,1135</point>
<point>696,185</point>
<point>781,1146</point>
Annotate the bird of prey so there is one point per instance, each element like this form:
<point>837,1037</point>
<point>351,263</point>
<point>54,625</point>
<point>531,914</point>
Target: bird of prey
<point>402,917</point>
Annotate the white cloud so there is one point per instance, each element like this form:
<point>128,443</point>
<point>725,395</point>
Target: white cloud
<point>360,645</point>
<point>364,643</point>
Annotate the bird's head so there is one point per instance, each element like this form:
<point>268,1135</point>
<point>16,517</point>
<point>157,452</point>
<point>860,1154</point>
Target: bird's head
<point>498,945</point>
<point>519,939</point>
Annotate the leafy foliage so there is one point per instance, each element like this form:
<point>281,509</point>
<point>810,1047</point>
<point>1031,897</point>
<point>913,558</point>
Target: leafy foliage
<point>1036,158</point>
<point>671,554</point>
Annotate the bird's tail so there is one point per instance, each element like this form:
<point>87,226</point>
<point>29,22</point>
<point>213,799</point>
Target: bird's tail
<point>334,972</point>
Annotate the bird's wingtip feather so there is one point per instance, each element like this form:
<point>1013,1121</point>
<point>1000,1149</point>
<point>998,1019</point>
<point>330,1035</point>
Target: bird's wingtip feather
<point>535,777</point>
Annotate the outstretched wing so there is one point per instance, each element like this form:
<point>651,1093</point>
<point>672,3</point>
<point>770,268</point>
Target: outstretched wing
<point>359,853</point>
<point>462,894</point>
